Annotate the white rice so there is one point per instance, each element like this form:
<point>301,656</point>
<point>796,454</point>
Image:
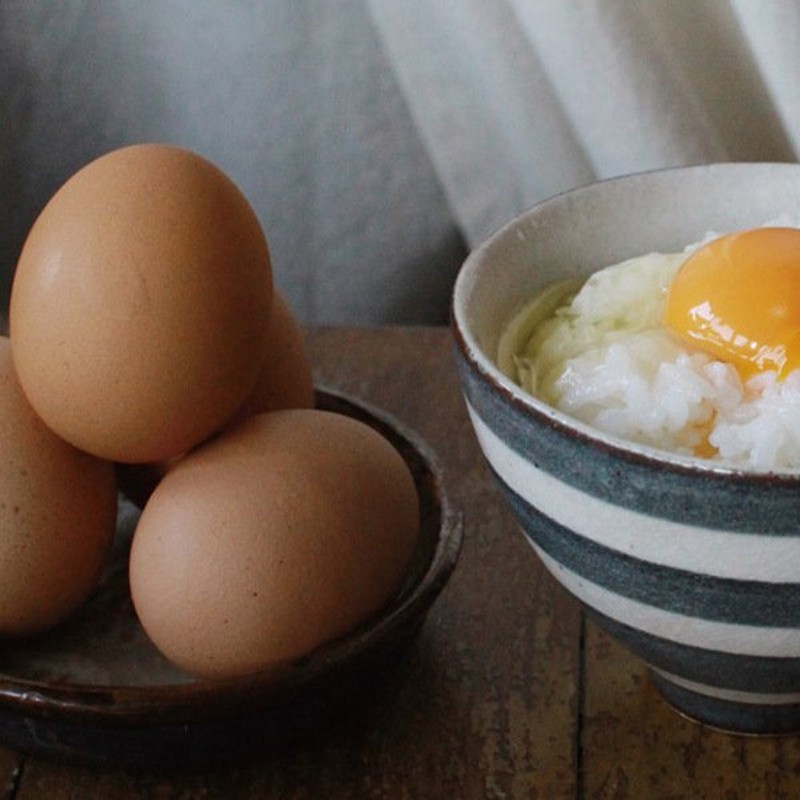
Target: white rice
<point>605,359</point>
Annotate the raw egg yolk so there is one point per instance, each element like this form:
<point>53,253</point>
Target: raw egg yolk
<point>738,298</point>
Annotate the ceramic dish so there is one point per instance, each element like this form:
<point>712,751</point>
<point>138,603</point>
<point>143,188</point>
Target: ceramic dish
<point>693,564</point>
<point>95,691</point>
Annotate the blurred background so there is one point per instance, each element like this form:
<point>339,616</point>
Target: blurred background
<point>379,140</point>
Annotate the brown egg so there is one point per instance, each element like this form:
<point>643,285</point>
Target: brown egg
<point>140,304</point>
<point>285,381</point>
<point>57,516</point>
<point>281,534</point>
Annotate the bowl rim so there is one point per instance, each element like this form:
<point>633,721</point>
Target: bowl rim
<point>540,412</point>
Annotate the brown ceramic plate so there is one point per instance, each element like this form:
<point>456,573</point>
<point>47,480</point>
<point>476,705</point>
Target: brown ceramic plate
<point>96,691</point>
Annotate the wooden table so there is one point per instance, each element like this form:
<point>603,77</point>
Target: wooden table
<point>507,693</point>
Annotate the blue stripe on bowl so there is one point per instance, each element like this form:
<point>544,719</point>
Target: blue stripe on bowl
<point>728,715</point>
<point>693,594</point>
<point>743,673</point>
<point>726,500</point>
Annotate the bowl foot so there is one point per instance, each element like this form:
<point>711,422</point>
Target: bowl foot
<point>731,712</point>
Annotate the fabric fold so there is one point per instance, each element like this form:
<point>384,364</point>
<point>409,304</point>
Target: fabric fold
<point>517,100</point>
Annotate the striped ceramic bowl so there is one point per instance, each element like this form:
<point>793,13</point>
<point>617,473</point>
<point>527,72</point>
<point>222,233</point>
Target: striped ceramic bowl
<point>695,567</point>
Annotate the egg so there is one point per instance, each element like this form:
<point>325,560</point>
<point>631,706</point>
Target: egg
<point>57,516</point>
<point>285,381</point>
<point>737,298</point>
<point>278,536</point>
<point>140,304</point>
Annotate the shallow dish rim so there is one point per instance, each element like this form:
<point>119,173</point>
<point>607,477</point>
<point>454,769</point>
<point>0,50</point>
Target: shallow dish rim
<point>200,701</point>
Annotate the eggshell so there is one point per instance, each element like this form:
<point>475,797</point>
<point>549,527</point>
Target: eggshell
<point>57,516</point>
<point>285,381</point>
<point>140,304</point>
<point>279,535</point>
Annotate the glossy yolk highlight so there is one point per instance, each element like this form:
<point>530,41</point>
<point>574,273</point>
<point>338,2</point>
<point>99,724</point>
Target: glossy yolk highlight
<point>738,298</point>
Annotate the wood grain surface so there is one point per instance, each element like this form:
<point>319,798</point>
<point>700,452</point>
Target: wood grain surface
<point>507,693</point>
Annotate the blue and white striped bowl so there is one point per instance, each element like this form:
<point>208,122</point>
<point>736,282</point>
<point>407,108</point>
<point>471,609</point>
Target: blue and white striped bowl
<point>695,567</point>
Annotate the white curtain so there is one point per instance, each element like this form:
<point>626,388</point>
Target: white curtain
<point>517,100</point>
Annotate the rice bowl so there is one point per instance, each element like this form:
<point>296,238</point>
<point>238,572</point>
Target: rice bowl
<point>693,563</point>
